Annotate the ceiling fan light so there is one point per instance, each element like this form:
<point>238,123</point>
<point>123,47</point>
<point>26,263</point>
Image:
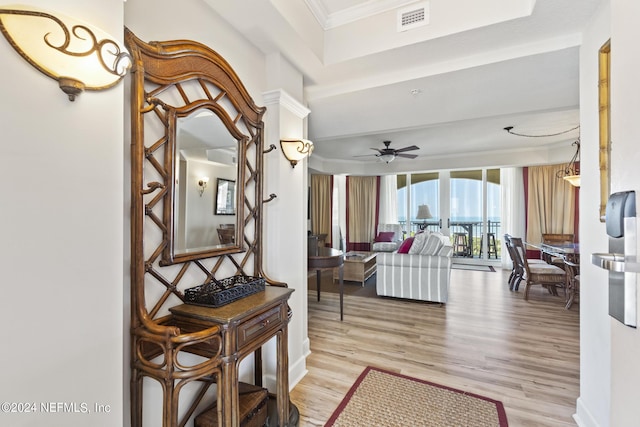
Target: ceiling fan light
<point>387,158</point>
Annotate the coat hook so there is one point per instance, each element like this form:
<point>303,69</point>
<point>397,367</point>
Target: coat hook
<point>152,186</point>
<point>271,197</point>
<point>270,149</point>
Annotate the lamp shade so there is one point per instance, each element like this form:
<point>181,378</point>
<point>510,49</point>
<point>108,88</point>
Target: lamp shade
<point>573,180</point>
<point>571,172</point>
<point>76,54</point>
<point>295,150</point>
<point>424,212</point>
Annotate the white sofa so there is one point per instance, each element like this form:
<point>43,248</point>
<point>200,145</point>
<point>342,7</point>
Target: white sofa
<point>393,243</point>
<point>422,274</point>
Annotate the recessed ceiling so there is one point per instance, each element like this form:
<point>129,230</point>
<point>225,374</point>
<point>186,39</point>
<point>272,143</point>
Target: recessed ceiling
<point>449,87</point>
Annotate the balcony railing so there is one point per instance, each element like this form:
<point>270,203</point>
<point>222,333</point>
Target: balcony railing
<point>472,229</point>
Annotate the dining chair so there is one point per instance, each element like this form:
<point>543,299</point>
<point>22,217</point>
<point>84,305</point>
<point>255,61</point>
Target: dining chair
<point>515,268</point>
<point>538,273</point>
<point>551,238</point>
<point>555,239</point>
<point>226,235</point>
<point>517,272</point>
<point>572,268</point>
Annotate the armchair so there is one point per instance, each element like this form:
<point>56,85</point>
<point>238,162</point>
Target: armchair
<point>388,238</point>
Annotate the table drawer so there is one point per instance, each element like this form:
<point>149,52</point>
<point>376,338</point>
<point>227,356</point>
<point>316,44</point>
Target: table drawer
<point>262,324</point>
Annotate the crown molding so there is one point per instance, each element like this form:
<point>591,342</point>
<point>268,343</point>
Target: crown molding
<point>281,98</point>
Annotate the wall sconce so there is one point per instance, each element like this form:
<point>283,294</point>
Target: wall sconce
<point>202,184</point>
<point>571,172</point>
<point>77,55</point>
<point>295,150</point>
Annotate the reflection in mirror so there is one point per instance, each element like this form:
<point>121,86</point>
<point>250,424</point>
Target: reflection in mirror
<point>226,197</point>
<point>205,153</point>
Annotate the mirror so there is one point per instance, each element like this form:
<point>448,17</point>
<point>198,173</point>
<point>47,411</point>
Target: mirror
<point>205,173</point>
<point>193,123</point>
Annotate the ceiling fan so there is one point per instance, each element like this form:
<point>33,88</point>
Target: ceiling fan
<point>387,154</point>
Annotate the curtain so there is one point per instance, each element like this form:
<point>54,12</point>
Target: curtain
<point>388,206</point>
<point>551,203</point>
<point>362,201</point>
<point>321,186</point>
<point>513,207</point>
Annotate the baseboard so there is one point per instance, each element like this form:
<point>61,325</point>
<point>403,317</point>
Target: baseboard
<point>306,348</point>
<point>583,416</point>
<point>297,371</point>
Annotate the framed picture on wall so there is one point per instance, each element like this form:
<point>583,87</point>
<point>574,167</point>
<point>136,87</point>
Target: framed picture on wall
<point>225,197</point>
<point>604,100</point>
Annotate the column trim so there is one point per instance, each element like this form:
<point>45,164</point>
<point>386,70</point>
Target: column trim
<point>283,99</point>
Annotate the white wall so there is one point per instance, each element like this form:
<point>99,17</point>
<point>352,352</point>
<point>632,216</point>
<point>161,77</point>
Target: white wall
<point>595,358</point>
<point>610,372</point>
<point>625,175</point>
<point>61,172</point>
<point>201,221</point>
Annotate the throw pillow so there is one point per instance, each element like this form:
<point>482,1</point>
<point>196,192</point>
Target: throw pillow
<point>384,236</point>
<point>446,250</point>
<point>405,245</point>
<point>418,243</point>
<point>432,245</point>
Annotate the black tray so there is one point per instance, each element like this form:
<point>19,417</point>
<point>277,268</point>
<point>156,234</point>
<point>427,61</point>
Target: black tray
<point>225,291</point>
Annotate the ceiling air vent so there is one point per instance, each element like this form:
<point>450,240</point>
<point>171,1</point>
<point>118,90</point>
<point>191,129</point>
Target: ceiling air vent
<point>414,16</point>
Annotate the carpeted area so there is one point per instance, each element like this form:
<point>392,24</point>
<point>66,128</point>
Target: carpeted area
<point>384,398</point>
<point>350,288</point>
<point>369,288</point>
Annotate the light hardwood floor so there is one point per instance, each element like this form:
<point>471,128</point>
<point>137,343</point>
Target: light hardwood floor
<point>485,340</point>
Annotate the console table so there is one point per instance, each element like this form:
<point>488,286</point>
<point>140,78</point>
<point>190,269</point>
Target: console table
<point>246,325</point>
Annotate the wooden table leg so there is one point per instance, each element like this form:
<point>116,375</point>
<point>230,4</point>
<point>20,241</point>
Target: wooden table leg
<point>227,385</point>
<point>341,277</point>
<point>282,374</point>
<point>318,280</point>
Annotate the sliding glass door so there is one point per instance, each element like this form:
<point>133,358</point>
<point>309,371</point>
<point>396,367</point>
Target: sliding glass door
<point>419,202</point>
<point>464,205</point>
<point>465,212</point>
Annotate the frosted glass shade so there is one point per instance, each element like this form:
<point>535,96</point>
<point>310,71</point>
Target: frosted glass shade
<point>76,54</point>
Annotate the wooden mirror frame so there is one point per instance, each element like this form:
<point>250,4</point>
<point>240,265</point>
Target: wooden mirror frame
<point>173,80</point>
<point>169,80</point>
<point>170,255</point>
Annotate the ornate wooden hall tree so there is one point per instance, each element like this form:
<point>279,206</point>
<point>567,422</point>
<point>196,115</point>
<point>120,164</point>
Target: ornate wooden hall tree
<point>176,86</point>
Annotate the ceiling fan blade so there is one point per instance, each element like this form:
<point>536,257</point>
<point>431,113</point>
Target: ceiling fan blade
<point>367,155</point>
<point>408,156</point>
<point>377,149</point>
<point>411,148</point>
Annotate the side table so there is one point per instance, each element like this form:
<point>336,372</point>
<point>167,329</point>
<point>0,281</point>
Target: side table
<point>323,259</point>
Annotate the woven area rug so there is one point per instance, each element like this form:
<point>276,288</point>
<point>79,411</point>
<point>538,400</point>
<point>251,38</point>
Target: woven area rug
<point>386,399</point>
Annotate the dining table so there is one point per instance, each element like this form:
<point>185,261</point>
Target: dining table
<point>569,251</point>
<point>323,258</point>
